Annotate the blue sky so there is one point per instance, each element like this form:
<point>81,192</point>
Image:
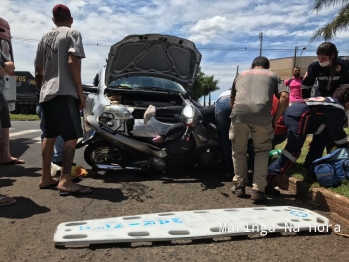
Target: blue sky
<point>221,30</point>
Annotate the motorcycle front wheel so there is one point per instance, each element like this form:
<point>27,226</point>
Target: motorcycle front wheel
<point>101,152</point>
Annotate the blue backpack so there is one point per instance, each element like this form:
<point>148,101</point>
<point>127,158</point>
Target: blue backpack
<point>331,169</point>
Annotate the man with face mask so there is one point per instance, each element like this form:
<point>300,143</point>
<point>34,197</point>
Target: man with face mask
<point>320,116</point>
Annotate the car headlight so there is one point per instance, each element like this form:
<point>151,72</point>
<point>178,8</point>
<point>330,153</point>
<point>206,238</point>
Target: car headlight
<point>188,111</point>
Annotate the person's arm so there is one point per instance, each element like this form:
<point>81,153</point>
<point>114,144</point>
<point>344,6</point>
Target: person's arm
<point>283,104</point>
<point>9,66</point>
<point>39,65</point>
<point>232,94</point>
<point>344,79</point>
<point>74,65</point>
<point>75,54</point>
<point>39,75</point>
<point>335,121</point>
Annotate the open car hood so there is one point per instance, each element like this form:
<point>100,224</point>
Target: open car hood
<point>163,56</point>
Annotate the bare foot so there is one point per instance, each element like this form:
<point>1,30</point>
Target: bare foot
<point>158,139</point>
<point>71,187</point>
<point>12,161</point>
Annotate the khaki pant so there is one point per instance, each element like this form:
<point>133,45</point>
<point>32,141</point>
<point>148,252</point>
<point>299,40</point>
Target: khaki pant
<point>261,136</point>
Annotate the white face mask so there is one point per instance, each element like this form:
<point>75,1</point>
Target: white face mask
<point>324,64</point>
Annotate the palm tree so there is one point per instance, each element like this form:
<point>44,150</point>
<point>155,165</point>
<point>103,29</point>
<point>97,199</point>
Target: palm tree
<point>210,85</point>
<point>341,21</point>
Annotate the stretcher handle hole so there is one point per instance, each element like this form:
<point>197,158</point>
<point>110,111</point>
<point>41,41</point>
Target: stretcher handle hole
<point>320,220</point>
<point>75,224</point>
<point>166,214</point>
<point>74,236</point>
<point>138,234</point>
<point>289,225</point>
<point>130,218</point>
<point>179,232</point>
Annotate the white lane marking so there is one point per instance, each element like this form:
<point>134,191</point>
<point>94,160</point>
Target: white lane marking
<point>24,132</point>
<point>36,140</point>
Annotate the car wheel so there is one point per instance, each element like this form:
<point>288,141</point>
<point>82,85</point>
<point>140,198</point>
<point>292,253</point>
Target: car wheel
<point>101,152</point>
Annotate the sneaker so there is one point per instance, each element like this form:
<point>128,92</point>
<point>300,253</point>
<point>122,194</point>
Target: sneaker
<point>258,196</point>
<point>149,113</point>
<point>270,190</point>
<point>239,191</point>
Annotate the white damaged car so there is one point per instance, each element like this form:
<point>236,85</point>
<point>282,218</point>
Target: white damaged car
<point>143,70</point>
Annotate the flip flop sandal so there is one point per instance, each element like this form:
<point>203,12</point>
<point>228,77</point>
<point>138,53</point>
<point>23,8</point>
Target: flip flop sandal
<point>51,186</point>
<point>6,200</point>
<point>16,161</point>
<point>80,191</point>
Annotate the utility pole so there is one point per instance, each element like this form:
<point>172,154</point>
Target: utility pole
<point>237,71</point>
<point>260,49</point>
<point>295,56</point>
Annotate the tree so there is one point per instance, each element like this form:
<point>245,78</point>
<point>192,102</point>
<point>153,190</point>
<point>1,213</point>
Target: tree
<point>210,85</point>
<point>203,86</point>
<point>341,21</point>
<point>198,86</point>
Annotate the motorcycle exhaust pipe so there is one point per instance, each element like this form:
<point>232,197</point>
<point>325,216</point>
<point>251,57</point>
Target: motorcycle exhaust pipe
<point>123,140</point>
<point>114,167</point>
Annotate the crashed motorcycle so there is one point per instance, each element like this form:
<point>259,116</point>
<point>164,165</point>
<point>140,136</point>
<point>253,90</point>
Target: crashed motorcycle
<point>127,143</point>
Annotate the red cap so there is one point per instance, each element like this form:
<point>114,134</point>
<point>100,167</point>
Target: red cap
<point>60,10</point>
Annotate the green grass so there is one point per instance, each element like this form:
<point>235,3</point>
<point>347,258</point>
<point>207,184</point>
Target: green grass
<point>18,117</point>
<point>299,172</point>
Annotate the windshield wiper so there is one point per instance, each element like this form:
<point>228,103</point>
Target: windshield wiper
<point>155,88</point>
<point>120,86</point>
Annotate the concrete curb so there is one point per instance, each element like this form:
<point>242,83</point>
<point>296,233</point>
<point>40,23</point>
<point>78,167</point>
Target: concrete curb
<point>322,197</point>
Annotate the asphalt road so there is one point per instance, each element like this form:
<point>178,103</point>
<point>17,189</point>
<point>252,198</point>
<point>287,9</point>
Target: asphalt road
<point>27,228</point>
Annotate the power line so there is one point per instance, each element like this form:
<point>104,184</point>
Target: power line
<point>244,48</point>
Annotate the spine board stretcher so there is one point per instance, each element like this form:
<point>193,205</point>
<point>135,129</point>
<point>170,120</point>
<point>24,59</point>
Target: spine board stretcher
<point>181,225</point>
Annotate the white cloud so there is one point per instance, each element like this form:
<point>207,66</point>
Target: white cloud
<point>227,27</point>
<point>205,30</point>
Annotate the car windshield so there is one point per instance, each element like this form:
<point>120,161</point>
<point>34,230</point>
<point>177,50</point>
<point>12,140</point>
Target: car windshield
<point>146,83</point>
